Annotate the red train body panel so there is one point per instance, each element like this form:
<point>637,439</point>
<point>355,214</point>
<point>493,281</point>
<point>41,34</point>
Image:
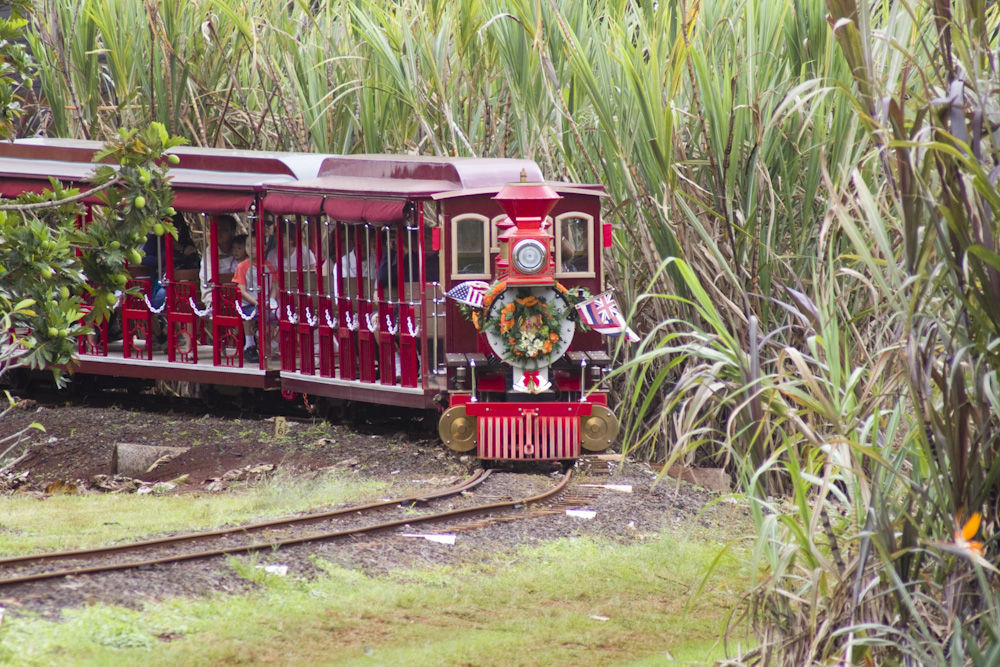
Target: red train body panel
<point>364,250</point>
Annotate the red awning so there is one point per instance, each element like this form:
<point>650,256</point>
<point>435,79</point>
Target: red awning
<point>364,210</point>
<point>212,202</point>
<point>12,187</point>
<point>285,204</point>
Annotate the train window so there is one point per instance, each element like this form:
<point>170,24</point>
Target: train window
<point>574,250</point>
<point>470,246</point>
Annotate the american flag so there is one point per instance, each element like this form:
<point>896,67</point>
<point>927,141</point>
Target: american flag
<point>471,293</point>
<point>602,315</point>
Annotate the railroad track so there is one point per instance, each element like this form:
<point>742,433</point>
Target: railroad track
<point>120,555</point>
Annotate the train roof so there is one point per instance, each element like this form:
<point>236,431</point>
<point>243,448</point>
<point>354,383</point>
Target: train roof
<point>375,188</point>
<point>225,160</point>
<point>410,176</point>
<point>206,180</point>
<point>368,188</point>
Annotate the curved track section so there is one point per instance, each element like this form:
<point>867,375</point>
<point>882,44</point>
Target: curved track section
<point>179,540</point>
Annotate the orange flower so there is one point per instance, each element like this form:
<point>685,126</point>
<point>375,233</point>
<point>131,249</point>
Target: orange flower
<point>511,341</point>
<point>519,353</point>
<point>528,301</point>
<point>509,308</point>
<point>547,347</point>
<point>475,320</point>
<point>561,288</point>
<point>492,294</point>
<point>965,533</point>
<point>553,337</point>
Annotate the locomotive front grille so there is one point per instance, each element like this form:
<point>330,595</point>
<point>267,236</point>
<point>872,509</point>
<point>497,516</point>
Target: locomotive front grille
<point>529,437</point>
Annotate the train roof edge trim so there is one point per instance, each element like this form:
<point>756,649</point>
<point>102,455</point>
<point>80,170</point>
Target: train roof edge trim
<point>560,188</point>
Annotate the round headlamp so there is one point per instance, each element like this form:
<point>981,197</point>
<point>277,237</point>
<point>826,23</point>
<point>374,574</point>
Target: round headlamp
<point>529,256</point>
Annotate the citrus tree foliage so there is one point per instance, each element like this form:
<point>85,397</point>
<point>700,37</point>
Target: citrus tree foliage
<point>59,272</point>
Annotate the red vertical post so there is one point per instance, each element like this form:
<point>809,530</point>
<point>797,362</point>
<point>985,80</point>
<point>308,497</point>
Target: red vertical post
<point>345,315</point>
<point>286,304</point>
<point>366,337</point>
<point>326,299</point>
<point>168,270</point>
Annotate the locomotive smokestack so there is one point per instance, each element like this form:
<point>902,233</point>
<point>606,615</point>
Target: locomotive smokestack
<point>527,204</point>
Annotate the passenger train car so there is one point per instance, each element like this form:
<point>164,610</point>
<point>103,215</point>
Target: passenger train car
<point>442,284</point>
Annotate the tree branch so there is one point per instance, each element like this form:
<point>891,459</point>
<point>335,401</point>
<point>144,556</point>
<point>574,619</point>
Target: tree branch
<point>54,204</point>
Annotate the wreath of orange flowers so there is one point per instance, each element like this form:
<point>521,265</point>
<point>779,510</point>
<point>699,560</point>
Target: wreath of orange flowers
<point>528,325</point>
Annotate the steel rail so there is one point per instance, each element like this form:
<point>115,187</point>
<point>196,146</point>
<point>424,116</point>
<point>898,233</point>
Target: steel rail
<point>478,478</point>
<point>317,537</point>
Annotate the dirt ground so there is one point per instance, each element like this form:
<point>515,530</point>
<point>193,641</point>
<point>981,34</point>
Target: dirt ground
<point>228,452</point>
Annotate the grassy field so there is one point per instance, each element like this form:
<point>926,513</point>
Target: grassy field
<point>579,601</point>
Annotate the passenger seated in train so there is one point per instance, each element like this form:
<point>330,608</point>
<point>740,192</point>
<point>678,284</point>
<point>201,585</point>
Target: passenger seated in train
<point>226,233</point>
<point>239,250</point>
<point>186,258</point>
<point>292,258</point>
<point>347,267</point>
<point>388,273</point>
<point>248,280</point>
<point>568,255</point>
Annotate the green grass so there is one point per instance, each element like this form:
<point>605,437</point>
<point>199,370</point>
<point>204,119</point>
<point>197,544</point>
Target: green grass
<point>525,607</point>
<point>83,521</point>
<point>532,607</point>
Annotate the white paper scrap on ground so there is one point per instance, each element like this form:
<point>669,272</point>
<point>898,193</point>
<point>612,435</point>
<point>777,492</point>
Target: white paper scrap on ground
<point>624,488</point>
<point>442,539</point>
<point>582,514</point>
<point>600,618</point>
<point>280,570</point>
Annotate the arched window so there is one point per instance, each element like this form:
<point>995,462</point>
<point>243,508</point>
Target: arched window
<point>470,246</point>
<point>574,235</point>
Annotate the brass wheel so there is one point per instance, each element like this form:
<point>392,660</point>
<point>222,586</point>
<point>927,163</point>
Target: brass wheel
<point>599,430</point>
<point>457,430</point>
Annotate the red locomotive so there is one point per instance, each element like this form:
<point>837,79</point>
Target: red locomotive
<point>443,284</point>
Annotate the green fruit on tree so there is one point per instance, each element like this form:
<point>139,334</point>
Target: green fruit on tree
<point>159,229</point>
<point>134,257</point>
<point>53,332</point>
<point>47,272</point>
<point>171,210</point>
<point>119,280</point>
<point>140,202</point>
<point>63,333</point>
<point>173,159</point>
<point>110,299</point>
<point>115,245</point>
<point>64,292</point>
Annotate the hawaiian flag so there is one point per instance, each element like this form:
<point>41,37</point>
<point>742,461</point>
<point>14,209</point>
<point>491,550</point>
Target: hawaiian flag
<point>470,293</point>
<point>602,315</point>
